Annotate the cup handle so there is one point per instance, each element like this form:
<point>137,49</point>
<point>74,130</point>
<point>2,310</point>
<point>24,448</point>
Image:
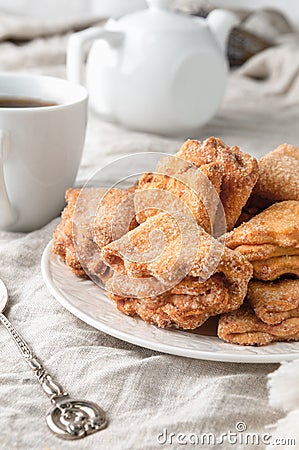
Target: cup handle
<point>76,44</point>
<point>8,215</point>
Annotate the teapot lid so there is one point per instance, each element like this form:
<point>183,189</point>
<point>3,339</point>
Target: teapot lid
<point>159,16</point>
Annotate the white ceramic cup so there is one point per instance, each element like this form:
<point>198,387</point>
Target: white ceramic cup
<point>40,149</point>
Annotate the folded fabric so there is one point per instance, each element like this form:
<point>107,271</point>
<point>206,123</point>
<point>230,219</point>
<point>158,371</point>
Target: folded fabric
<point>284,395</point>
<point>283,386</point>
<point>272,233</point>
<point>240,172</point>
<point>245,328</point>
<point>274,302</point>
<point>25,27</point>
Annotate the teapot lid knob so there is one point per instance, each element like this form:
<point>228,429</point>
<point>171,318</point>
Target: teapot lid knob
<point>159,4</point>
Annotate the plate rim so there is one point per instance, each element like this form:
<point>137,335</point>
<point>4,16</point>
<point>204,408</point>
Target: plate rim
<point>158,347</point>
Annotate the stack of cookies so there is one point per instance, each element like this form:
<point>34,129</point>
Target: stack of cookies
<point>270,241</point>
<point>170,249</point>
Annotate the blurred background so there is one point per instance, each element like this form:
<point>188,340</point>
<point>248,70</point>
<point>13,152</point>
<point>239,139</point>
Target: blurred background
<point>72,9</point>
<point>262,97</point>
<point>263,23</point>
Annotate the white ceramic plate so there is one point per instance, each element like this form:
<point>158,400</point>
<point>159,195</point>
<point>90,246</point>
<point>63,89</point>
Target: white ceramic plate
<point>89,303</point>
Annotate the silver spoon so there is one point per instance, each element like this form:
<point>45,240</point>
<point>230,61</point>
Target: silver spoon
<point>68,419</point>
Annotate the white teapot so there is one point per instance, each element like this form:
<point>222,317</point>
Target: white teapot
<point>156,70</point>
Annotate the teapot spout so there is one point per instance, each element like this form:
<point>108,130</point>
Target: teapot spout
<point>221,23</point>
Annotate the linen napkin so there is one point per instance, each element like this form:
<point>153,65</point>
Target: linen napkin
<point>284,394</point>
<point>143,391</point>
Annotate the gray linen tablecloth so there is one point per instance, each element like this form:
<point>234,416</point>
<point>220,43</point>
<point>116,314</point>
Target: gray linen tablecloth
<point>142,391</point>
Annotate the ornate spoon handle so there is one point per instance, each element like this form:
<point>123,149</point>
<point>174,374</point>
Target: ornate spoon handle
<point>68,419</point>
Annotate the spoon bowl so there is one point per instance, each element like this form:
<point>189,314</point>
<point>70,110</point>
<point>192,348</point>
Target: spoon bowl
<point>3,296</point>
